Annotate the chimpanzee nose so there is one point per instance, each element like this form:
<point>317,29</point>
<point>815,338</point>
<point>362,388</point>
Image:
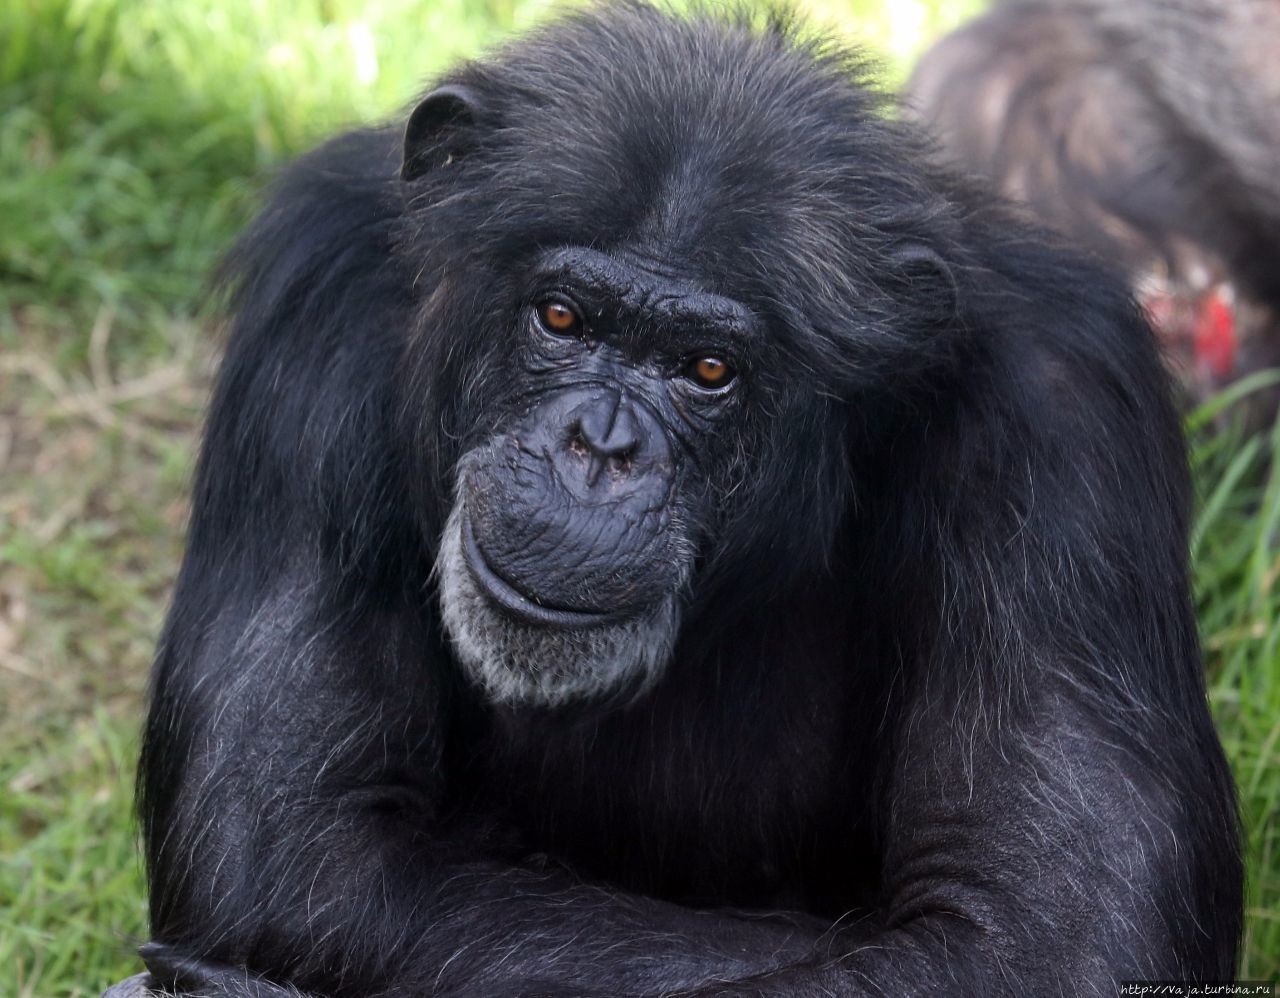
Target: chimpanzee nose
<point>608,427</point>
<point>603,430</point>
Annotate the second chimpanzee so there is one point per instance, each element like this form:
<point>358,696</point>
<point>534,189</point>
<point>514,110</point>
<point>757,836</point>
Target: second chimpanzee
<point>657,534</point>
<point>1149,132</point>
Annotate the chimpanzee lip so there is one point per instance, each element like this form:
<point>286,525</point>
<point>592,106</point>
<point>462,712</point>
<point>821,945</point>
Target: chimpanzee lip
<point>516,603</point>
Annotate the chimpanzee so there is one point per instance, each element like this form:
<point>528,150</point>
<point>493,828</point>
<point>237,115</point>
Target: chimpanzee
<point>1149,132</point>
<point>657,533</point>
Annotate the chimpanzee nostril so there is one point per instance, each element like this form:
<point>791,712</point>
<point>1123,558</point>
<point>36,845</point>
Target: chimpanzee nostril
<point>577,443</point>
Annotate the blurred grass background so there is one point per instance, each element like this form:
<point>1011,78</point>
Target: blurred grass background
<point>134,138</point>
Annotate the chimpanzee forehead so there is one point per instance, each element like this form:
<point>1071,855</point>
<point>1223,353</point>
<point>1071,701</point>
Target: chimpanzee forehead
<point>713,102</point>
<point>636,285</point>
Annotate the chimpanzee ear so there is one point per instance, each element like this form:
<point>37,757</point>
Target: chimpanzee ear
<point>923,270</point>
<point>440,130</point>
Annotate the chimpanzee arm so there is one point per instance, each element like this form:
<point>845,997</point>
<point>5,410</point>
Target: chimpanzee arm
<point>305,843</point>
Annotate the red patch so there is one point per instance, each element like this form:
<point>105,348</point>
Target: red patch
<point>1215,333</point>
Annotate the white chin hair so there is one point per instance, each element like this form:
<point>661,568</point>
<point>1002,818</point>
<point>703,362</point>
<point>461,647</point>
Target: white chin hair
<point>520,663</point>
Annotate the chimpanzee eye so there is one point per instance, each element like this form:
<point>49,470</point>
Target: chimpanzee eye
<point>559,317</point>
<point>709,372</point>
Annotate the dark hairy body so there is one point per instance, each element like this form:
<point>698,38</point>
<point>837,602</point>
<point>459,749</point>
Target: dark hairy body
<point>656,534</point>
<point>1147,130</point>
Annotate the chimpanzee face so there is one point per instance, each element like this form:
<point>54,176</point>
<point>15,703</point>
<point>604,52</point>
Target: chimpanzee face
<point>575,526</point>
<point>637,360</point>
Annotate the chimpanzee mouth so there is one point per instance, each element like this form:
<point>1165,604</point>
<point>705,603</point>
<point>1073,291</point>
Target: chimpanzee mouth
<point>516,603</point>
<point>518,650</point>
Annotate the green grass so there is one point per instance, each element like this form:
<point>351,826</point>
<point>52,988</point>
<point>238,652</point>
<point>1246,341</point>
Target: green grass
<point>134,137</point>
<point>1236,547</point>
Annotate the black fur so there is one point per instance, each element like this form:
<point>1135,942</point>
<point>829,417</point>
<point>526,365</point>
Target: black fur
<point>935,722</point>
